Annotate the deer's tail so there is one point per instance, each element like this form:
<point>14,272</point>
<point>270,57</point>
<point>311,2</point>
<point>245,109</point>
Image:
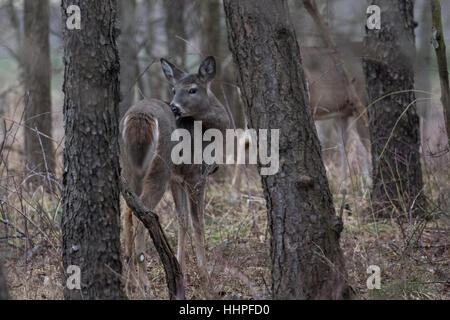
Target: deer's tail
<point>140,135</point>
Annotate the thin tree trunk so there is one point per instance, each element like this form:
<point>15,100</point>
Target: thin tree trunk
<point>155,77</point>
<point>211,32</point>
<point>128,54</point>
<point>211,45</point>
<point>91,208</point>
<point>3,288</point>
<point>423,69</point>
<point>394,124</point>
<point>39,150</point>
<point>175,32</point>
<point>307,261</point>
<point>441,54</point>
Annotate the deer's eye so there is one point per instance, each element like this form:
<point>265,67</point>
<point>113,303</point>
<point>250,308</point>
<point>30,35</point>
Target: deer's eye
<point>193,91</point>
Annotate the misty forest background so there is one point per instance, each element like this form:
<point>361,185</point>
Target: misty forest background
<point>414,259</point>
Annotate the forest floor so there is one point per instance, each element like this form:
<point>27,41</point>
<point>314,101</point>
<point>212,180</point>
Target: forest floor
<point>414,260</point>
<point>412,266</point>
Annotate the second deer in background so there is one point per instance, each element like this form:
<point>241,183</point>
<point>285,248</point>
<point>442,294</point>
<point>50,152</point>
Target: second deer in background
<point>329,99</point>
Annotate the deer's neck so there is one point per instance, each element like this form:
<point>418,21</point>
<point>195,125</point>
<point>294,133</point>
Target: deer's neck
<point>217,116</point>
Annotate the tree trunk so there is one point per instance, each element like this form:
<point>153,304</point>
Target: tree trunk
<point>211,45</point>
<point>394,124</point>
<point>211,32</point>
<point>441,55</point>
<point>91,209</point>
<point>155,78</point>
<point>3,288</point>
<point>39,150</point>
<point>307,261</point>
<point>128,54</point>
<point>423,70</point>
<point>176,47</point>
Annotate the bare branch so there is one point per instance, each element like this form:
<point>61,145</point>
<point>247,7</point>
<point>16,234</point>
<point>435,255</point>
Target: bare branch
<point>174,275</point>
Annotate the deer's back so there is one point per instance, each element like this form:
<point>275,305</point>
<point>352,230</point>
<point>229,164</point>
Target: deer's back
<point>150,124</point>
<point>328,92</point>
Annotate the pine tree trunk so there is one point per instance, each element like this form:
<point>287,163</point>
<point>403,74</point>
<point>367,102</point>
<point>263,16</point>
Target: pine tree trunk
<point>128,54</point>
<point>307,261</point>
<point>39,150</point>
<point>91,209</point>
<point>394,124</point>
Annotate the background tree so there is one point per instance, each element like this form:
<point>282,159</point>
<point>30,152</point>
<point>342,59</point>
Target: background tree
<point>3,288</point>
<point>129,67</point>
<point>441,55</point>
<point>394,124</point>
<point>423,60</point>
<point>213,43</point>
<point>175,29</point>
<point>307,261</point>
<point>91,208</point>
<point>39,150</point>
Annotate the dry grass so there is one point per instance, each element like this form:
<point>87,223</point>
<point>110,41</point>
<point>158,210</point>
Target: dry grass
<point>239,261</point>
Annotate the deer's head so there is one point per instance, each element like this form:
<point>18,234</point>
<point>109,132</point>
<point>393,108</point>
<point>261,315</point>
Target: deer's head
<point>190,91</point>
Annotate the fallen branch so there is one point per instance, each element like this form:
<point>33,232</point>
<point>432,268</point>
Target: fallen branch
<point>174,275</point>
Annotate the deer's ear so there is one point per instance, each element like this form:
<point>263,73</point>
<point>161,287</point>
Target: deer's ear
<point>207,70</point>
<point>172,73</point>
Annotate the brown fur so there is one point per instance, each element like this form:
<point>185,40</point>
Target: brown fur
<point>140,132</point>
<point>186,181</point>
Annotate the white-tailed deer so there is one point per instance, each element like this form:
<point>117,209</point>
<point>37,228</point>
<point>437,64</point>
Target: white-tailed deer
<point>329,99</point>
<point>147,165</point>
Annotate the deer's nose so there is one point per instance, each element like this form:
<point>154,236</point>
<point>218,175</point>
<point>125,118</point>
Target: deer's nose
<point>175,109</point>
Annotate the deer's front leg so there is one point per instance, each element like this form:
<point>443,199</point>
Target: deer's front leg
<point>196,196</point>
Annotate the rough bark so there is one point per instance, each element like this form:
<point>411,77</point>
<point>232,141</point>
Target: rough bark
<point>174,25</point>
<point>441,55</point>
<point>128,54</point>
<point>307,261</point>
<point>91,208</point>
<point>174,275</point>
<point>39,150</point>
<point>394,125</point>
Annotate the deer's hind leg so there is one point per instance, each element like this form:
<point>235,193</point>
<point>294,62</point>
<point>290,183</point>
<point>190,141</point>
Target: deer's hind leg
<point>153,190</point>
<point>182,205</point>
<point>129,232</point>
